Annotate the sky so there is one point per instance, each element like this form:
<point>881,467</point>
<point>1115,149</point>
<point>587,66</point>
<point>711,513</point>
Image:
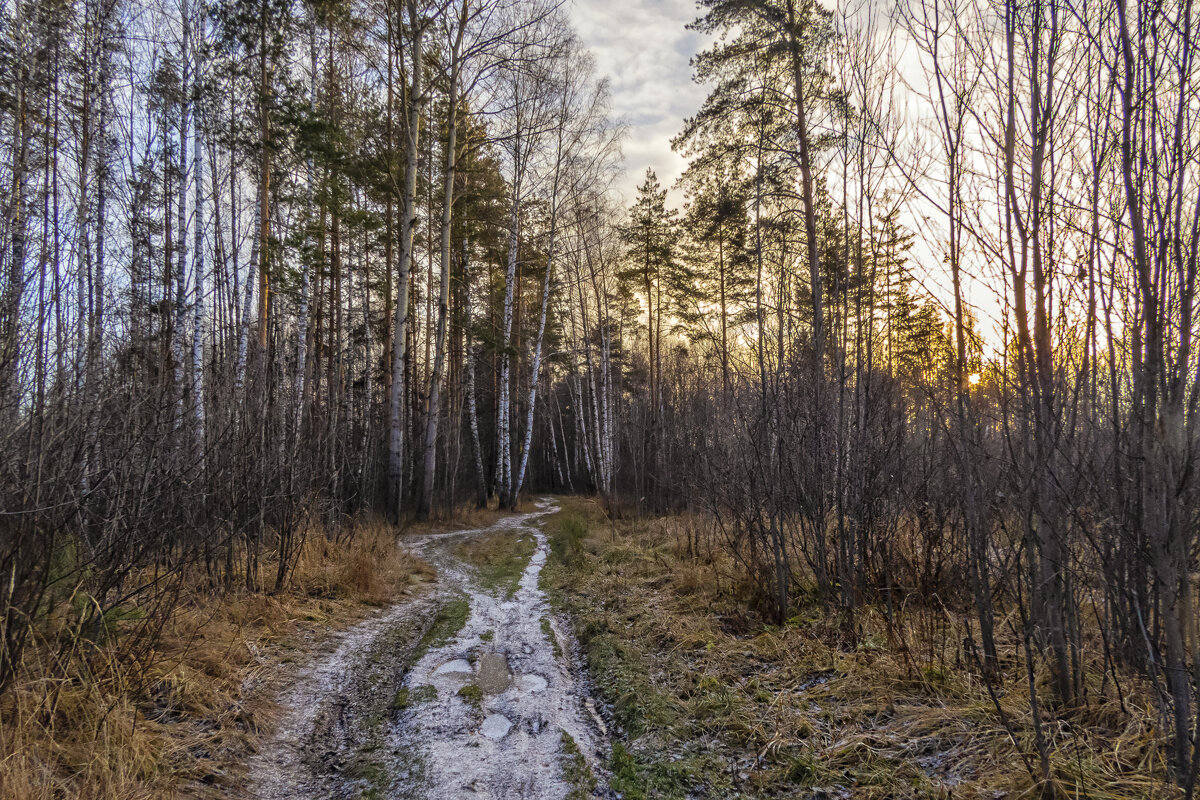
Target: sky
<point>644,48</point>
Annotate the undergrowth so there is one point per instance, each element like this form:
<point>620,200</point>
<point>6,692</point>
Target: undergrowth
<point>179,718</point>
<point>710,701</point>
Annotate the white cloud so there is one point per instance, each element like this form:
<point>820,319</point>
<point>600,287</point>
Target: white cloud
<point>644,48</point>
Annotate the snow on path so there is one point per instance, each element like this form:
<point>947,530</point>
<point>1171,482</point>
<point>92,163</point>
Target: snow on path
<point>511,745</point>
<point>508,746</point>
<point>324,696</point>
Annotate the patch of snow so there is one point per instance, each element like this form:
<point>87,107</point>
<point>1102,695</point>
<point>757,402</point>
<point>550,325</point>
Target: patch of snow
<point>496,726</point>
<point>457,666</point>
<point>532,683</point>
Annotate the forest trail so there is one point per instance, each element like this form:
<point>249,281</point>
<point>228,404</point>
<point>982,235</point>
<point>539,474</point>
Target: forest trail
<point>498,710</point>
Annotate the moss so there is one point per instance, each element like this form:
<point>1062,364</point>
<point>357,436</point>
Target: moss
<point>407,698</point>
<point>448,621</point>
<point>549,631</point>
<point>575,770</point>
<point>499,559</point>
<point>472,694</point>
<point>487,636</point>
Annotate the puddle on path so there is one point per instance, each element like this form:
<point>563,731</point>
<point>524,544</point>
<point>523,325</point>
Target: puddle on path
<point>483,715</point>
<point>507,743</point>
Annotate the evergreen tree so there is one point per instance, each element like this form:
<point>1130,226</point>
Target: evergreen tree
<point>717,228</point>
<point>651,236</point>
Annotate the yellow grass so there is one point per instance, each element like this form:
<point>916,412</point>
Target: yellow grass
<point>181,720</point>
<point>881,710</point>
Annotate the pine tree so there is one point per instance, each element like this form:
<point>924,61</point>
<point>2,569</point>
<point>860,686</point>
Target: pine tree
<point>717,227</point>
<point>652,239</point>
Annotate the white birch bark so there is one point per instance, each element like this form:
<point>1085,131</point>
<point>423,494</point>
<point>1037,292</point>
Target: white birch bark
<point>408,210</point>
<point>536,372</point>
<point>503,447</point>
<point>472,410</point>
<point>439,357</point>
<point>199,318</point>
<point>179,328</point>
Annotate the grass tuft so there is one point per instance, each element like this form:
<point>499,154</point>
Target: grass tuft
<point>499,559</point>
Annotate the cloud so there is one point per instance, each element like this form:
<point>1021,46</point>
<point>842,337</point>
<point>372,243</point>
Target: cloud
<point>644,47</point>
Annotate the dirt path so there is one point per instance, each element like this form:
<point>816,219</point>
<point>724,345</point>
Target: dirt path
<point>500,710</point>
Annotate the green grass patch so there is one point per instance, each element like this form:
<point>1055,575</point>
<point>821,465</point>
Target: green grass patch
<point>499,559</point>
<point>575,770</point>
<point>407,698</point>
<point>472,694</point>
<point>448,621</point>
<point>567,531</point>
<point>549,631</point>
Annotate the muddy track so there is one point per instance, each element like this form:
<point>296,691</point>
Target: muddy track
<point>499,710</point>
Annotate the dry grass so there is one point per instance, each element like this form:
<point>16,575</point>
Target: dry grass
<point>714,703</point>
<point>466,519</point>
<point>499,558</point>
<point>180,719</point>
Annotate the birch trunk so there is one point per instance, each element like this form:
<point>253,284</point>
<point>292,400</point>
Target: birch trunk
<point>400,338</point>
<point>178,327</point>
<point>199,309</point>
<point>472,410</point>
<point>536,373</point>
<point>503,446</point>
<point>439,358</point>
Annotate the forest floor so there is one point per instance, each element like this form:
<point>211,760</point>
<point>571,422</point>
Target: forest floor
<point>458,664</point>
<point>468,690</point>
<point>705,700</point>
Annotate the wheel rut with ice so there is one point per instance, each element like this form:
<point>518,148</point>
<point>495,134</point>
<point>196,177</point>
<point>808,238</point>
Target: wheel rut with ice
<point>488,714</point>
<point>501,698</point>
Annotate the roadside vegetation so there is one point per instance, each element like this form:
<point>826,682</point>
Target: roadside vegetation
<point>106,723</point>
<point>711,701</point>
<point>499,559</point>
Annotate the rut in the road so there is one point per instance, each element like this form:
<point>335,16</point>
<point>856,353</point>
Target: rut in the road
<point>502,737</point>
<point>506,735</point>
